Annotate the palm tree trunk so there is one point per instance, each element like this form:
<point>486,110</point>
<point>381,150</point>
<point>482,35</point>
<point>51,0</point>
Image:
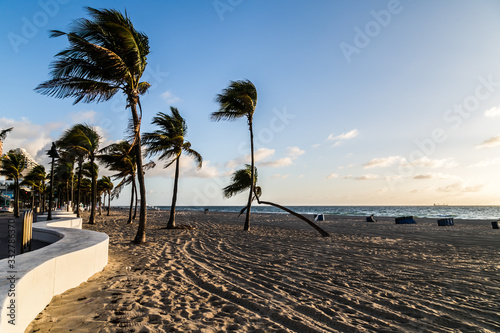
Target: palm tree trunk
<point>131,203</point>
<point>171,220</point>
<point>109,201</point>
<point>78,186</point>
<point>140,237</point>
<point>312,224</point>
<point>250,195</point>
<point>93,195</point>
<point>136,201</point>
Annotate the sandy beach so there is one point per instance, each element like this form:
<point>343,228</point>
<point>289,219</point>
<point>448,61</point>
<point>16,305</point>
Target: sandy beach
<point>283,277</point>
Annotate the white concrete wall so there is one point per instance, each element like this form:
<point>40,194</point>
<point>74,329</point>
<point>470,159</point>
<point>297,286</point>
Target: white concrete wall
<point>39,275</point>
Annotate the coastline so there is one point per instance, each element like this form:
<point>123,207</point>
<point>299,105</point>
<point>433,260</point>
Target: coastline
<point>283,277</point>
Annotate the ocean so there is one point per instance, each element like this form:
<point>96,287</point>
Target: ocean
<point>459,212</point>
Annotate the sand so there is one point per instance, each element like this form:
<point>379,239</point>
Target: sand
<point>283,277</point>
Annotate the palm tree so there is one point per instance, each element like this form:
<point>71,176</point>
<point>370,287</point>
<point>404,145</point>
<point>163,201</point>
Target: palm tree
<point>169,142</point>
<point>63,173</point>
<point>104,186</point>
<point>83,140</point>
<point>3,135</point>
<point>66,145</point>
<point>241,181</point>
<point>237,101</point>
<point>117,157</point>
<point>36,179</point>
<point>106,55</point>
<point>12,166</point>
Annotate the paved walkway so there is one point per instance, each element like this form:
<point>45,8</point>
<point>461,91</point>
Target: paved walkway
<point>4,235</point>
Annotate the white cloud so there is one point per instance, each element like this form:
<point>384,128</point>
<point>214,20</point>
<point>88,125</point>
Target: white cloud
<point>86,116</point>
<point>170,98</point>
<point>367,177</point>
<point>261,154</point>
<point>363,177</point>
<point>429,163</point>
<point>425,162</point>
<point>294,152</point>
<point>263,158</point>
<point>460,187</point>
<point>278,163</point>
<point>332,176</point>
<point>493,112</point>
<point>34,138</point>
<point>489,143</point>
<point>486,163</point>
<point>433,176</point>
<point>344,136</point>
<point>187,169</point>
<point>279,176</point>
<point>384,162</point>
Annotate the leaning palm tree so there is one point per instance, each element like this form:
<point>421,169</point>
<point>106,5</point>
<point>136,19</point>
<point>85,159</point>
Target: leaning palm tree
<point>237,101</point>
<point>83,140</point>
<point>169,142</point>
<point>106,54</point>
<point>12,166</point>
<point>3,135</point>
<point>241,181</point>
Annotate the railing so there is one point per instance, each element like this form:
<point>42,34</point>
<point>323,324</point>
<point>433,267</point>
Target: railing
<point>27,231</point>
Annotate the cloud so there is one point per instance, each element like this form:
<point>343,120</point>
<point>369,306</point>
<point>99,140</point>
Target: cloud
<point>344,136</point>
<point>187,169</point>
<point>332,176</point>
<point>433,176</point>
<point>486,163</point>
<point>459,187</point>
<point>363,177</point>
<point>86,116</point>
<point>429,163</point>
<point>170,98</point>
<point>294,152</point>
<point>34,138</point>
<point>493,112</point>
<point>279,176</point>
<point>278,163</point>
<point>259,155</point>
<point>262,154</point>
<point>489,143</point>
<point>384,162</point>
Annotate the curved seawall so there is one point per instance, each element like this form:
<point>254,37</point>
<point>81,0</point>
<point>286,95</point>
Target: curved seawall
<point>30,280</point>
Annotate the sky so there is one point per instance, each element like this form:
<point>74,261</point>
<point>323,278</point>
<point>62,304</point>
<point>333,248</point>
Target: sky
<point>359,102</point>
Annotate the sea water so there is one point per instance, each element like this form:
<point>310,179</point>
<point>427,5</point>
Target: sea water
<point>459,212</point>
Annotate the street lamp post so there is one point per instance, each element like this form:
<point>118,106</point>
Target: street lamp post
<point>52,154</point>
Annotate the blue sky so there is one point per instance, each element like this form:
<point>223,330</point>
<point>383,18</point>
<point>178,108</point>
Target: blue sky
<point>359,103</point>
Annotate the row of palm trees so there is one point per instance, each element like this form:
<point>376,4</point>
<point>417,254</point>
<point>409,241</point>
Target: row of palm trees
<point>107,55</point>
